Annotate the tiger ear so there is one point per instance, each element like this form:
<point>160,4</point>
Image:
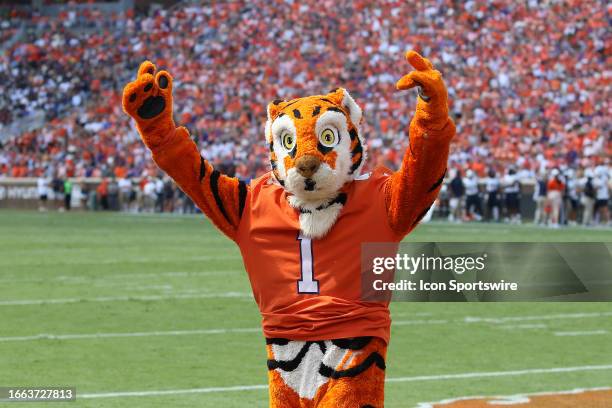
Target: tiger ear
<point>341,97</point>
<point>274,107</point>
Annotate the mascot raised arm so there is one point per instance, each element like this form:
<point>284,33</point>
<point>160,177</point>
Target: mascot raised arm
<point>300,226</point>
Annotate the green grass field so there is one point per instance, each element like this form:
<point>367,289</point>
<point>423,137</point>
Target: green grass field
<point>115,303</point>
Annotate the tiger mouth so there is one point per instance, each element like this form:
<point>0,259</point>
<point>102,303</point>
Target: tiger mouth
<point>309,184</point>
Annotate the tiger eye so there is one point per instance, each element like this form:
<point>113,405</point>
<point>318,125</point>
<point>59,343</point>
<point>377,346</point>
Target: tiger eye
<point>328,138</point>
<point>287,140</point>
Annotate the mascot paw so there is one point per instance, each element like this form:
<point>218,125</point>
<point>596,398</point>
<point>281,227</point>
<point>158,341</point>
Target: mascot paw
<point>148,100</point>
<point>432,106</point>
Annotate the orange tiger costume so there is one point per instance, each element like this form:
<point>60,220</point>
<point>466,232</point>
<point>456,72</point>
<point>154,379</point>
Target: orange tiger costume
<point>300,227</point>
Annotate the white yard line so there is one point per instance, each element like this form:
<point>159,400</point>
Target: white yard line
<point>195,332</point>
<point>238,388</point>
<point>412,322</point>
<point>78,336</point>
<point>112,261</point>
<point>29,302</point>
<point>501,373</point>
<point>174,392</point>
<point>523,326</point>
<point>412,314</point>
<point>81,336</point>
<point>87,279</point>
<point>472,319</point>
<point>581,333</point>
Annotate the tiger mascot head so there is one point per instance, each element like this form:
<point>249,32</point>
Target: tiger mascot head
<point>315,150</point>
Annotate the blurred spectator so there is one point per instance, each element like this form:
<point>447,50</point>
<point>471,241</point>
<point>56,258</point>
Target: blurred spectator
<point>555,190</point>
<point>588,197</point>
<point>42,188</point>
<point>473,206</point>
<point>570,197</point>
<point>168,195</point>
<point>67,194</point>
<point>149,195</point>
<point>492,185</point>
<point>125,192</point>
<point>602,195</point>
<point>539,196</point>
<point>457,191</point>
<point>113,195</point>
<point>102,193</point>
<point>512,189</point>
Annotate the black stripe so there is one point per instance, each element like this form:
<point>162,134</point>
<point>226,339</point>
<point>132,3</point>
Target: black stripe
<point>324,149</point>
<point>277,340</point>
<point>202,168</point>
<point>354,343</point>
<point>333,108</point>
<point>356,165</point>
<point>281,182</point>
<point>356,150</point>
<point>353,134</point>
<point>242,193</point>
<point>272,162</point>
<point>316,111</point>
<point>340,199</point>
<point>277,101</point>
<point>373,358</point>
<point>297,114</point>
<point>214,186</point>
<point>437,183</point>
<point>290,365</point>
<point>327,100</point>
<point>288,105</point>
<point>421,215</point>
<point>280,115</point>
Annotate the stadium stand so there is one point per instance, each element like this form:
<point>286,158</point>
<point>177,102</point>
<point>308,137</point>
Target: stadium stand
<point>526,81</point>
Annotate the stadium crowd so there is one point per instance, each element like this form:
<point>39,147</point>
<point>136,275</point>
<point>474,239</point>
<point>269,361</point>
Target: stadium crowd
<point>525,79</point>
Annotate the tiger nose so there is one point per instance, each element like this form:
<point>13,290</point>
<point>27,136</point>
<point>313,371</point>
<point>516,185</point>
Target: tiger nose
<point>307,165</point>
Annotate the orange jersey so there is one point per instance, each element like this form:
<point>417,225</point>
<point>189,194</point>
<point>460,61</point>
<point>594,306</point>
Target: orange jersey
<point>310,289</point>
<point>555,185</point>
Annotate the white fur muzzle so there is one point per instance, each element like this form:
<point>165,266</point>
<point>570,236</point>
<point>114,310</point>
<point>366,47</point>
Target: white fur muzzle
<point>316,220</point>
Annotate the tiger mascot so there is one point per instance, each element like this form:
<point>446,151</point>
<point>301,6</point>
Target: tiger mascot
<point>300,227</point>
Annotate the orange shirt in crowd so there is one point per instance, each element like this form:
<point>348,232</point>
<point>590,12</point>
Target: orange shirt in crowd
<point>555,185</point>
<point>121,172</point>
<point>102,189</point>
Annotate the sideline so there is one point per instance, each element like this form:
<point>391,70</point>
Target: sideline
<point>389,380</point>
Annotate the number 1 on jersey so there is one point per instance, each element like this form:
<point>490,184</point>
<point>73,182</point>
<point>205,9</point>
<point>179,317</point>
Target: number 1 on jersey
<point>307,283</point>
